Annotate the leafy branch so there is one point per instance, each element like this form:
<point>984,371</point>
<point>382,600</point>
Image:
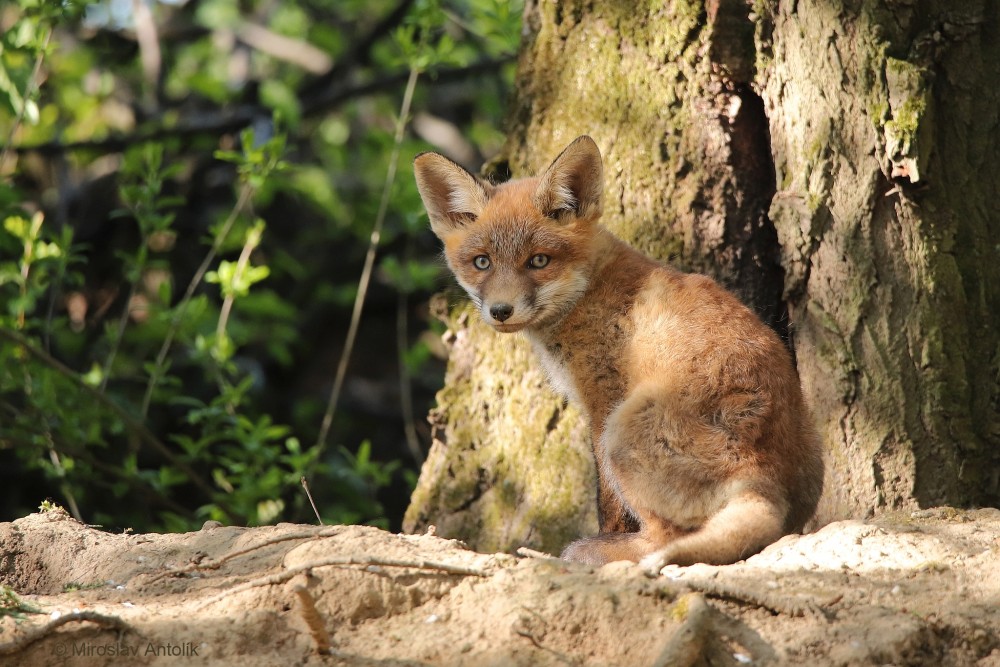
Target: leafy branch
<point>134,426</point>
<point>224,122</point>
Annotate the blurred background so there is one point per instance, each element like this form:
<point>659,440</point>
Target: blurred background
<point>202,202</point>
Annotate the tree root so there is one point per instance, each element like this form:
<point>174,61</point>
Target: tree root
<point>310,614</point>
<point>221,560</point>
<point>687,645</point>
<point>775,603</point>
<point>34,634</point>
<point>343,561</point>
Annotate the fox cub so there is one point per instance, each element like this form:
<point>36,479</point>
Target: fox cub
<point>704,448</point>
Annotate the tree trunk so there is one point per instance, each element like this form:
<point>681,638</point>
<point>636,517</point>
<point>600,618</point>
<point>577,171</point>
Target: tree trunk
<point>828,162</point>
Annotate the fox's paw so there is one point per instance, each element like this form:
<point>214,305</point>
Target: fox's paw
<point>653,564</point>
<point>584,551</point>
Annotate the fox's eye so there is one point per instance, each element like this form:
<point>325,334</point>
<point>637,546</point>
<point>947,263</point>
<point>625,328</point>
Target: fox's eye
<point>538,261</point>
<point>481,262</point>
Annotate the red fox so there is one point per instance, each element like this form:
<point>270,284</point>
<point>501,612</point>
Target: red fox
<point>704,447</point>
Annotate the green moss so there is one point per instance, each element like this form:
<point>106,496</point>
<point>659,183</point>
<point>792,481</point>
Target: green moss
<point>681,608</point>
<point>905,122</point>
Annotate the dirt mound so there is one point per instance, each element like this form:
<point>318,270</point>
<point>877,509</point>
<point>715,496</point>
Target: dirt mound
<point>907,589</point>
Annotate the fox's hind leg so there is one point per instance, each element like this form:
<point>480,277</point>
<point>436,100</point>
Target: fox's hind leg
<point>610,547</point>
<point>744,526</point>
<point>696,491</point>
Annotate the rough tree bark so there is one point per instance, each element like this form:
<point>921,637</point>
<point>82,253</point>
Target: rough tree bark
<point>829,162</point>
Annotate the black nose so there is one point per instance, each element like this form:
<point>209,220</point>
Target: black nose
<point>501,312</point>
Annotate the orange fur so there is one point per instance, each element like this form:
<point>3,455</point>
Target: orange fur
<point>703,443</point>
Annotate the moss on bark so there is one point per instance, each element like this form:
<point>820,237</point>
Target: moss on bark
<point>895,327</point>
<point>849,181</point>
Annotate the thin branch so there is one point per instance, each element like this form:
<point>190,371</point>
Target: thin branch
<point>64,487</point>
<point>29,90</point>
<point>213,124</point>
<point>295,51</point>
<point>251,243</point>
<point>357,53</point>
<point>309,495</point>
<point>109,470</point>
<point>119,334</point>
<point>132,481</point>
<point>149,44</point>
<point>175,322</point>
<point>366,272</point>
<point>405,381</point>
<point>330,99</point>
<point>525,552</point>
<point>133,425</point>
<point>233,121</point>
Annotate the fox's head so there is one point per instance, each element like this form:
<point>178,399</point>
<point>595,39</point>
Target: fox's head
<point>522,249</point>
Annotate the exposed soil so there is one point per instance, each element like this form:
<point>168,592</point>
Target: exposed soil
<point>917,588</point>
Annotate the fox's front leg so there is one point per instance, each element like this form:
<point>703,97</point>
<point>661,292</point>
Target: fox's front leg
<point>613,516</point>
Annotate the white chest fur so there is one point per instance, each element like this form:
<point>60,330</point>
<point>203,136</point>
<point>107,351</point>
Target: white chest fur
<point>555,368</point>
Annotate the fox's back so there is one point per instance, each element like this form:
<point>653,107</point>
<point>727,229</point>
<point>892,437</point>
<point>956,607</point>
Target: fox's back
<point>728,377</point>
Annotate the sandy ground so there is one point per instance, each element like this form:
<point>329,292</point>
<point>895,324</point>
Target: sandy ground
<point>917,588</point>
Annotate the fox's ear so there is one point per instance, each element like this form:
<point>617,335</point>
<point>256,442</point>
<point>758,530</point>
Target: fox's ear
<point>452,196</point>
<point>574,182</point>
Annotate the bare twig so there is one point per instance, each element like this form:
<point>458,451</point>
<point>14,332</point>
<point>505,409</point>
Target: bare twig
<point>130,479</point>
<point>305,487</point>
<point>119,334</point>
<point>343,561</point>
<point>34,634</point>
<point>525,552</point>
<point>405,390</point>
<point>74,508</point>
<point>366,272</point>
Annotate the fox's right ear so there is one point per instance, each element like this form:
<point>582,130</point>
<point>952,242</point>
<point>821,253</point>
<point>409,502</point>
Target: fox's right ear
<point>452,196</point>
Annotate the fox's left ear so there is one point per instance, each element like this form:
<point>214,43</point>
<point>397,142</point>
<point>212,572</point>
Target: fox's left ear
<point>574,182</point>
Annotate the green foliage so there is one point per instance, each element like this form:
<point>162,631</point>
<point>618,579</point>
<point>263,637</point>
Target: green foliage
<point>12,605</point>
<point>168,309</point>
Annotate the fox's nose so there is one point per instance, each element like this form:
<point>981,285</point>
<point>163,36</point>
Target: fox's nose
<point>501,312</point>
